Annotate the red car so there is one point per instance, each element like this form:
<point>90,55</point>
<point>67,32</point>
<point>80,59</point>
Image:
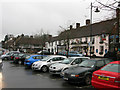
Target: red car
<point>107,77</point>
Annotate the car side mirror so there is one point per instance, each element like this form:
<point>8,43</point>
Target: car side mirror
<point>73,63</point>
<point>49,60</point>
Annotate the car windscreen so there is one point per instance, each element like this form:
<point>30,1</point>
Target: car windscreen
<point>67,61</point>
<point>112,68</point>
<point>15,54</point>
<point>73,52</point>
<point>7,53</point>
<point>28,57</point>
<point>46,58</point>
<point>87,63</point>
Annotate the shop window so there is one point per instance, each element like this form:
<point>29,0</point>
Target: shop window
<point>101,50</point>
<point>101,41</point>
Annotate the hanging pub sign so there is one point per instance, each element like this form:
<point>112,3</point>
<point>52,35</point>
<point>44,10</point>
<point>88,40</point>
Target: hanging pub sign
<point>103,37</point>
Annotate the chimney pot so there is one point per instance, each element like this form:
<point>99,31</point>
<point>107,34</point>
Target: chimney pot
<point>71,27</point>
<point>77,25</point>
<point>88,22</point>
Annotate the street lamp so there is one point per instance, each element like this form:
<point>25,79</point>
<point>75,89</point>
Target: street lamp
<point>91,26</point>
<point>118,21</point>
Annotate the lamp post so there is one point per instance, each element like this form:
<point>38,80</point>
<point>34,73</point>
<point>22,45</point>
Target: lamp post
<point>91,25</point>
<point>118,32</point>
<point>118,23</point>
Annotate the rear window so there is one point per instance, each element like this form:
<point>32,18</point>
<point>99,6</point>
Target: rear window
<point>112,68</point>
<point>28,57</point>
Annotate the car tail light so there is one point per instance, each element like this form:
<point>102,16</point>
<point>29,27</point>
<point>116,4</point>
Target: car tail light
<point>117,80</point>
<point>17,57</point>
<point>28,61</point>
<point>94,76</point>
<point>11,57</point>
<point>76,75</point>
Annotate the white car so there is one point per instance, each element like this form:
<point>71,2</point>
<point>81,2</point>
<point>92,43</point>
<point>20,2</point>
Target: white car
<point>46,62</point>
<point>65,64</point>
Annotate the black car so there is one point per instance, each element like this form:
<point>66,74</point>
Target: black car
<point>45,52</point>
<point>9,55</point>
<point>83,72</point>
<point>19,58</point>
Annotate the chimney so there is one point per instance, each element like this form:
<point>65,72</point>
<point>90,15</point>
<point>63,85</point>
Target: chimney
<point>70,27</point>
<point>31,36</point>
<point>88,22</point>
<point>77,25</point>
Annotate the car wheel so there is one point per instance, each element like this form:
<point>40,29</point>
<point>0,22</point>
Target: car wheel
<point>19,62</point>
<point>88,79</point>
<point>44,69</point>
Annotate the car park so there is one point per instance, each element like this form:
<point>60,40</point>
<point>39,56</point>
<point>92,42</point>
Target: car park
<point>65,64</point>
<point>9,55</point>
<point>20,58</point>
<point>107,77</point>
<point>83,72</point>
<point>33,58</point>
<point>46,62</point>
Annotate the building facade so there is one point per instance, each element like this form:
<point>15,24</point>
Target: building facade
<point>78,39</point>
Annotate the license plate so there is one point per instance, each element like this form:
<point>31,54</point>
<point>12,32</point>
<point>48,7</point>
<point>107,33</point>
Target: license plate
<point>103,78</point>
<point>65,78</point>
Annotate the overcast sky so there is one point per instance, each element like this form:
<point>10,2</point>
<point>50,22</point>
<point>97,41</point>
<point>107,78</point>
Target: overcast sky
<point>31,16</point>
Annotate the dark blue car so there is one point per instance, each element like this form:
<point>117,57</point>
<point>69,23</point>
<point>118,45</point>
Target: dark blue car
<point>33,58</point>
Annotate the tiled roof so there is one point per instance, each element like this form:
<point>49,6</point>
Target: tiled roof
<point>27,40</point>
<point>84,31</point>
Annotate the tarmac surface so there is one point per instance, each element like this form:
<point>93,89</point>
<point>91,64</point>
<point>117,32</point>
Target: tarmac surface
<point>16,76</point>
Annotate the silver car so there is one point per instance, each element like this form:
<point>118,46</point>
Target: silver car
<point>65,64</point>
<point>44,64</point>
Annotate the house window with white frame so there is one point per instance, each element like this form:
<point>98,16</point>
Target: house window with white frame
<point>80,40</point>
<point>93,40</point>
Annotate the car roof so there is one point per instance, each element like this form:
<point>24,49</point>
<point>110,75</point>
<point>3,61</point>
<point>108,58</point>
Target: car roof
<point>56,56</point>
<point>79,57</point>
<point>38,55</point>
<point>115,62</point>
<point>96,59</point>
<point>14,51</point>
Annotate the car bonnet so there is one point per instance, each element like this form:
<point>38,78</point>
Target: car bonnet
<point>77,70</point>
<point>59,65</point>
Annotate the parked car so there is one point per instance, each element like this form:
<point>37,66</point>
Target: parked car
<point>46,62</point>
<point>20,58</point>
<point>65,64</point>
<point>44,52</point>
<point>112,55</point>
<point>33,58</point>
<point>83,72</point>
<point>70,54</point>
<point>8,55</point>
<point>107,77</point>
